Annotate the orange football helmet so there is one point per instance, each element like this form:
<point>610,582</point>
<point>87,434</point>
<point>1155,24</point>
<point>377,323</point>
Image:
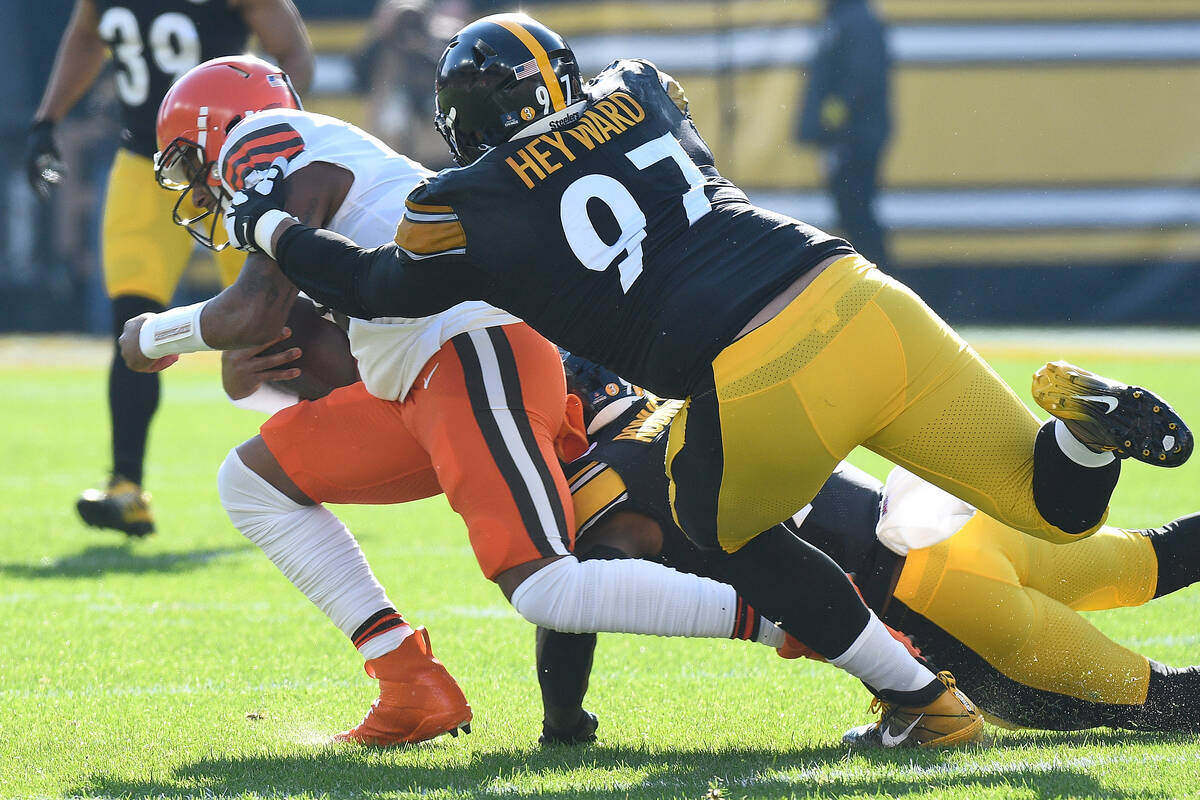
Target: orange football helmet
<point>194,119</point>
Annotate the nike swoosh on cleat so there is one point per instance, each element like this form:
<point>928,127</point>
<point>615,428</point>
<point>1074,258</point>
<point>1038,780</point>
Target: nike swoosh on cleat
<point>886,738</point>
<point>1111,402</point>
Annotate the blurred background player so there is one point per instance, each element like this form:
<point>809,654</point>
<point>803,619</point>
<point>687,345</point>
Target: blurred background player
<point>847,113</point>
<point>151,42</point>
<point>393,68</point>
<point>995,607</point>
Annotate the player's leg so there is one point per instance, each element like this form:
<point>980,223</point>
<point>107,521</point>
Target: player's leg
<point>347,447</point>
<point>791,582</point>
<point>1030,659</point>
<point>853,184</point>
<point>959,426</point>
<point>564,660</point>
<point>858,358</point>
<point>1177,553</point>
<point>143,254</point>
<point>489,415</point>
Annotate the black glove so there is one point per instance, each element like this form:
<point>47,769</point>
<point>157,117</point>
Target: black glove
<point>43,163</point>
<point>248,207</point>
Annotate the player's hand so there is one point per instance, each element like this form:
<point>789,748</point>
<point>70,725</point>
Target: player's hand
<point>43,164</point>
<point>248,207</point>
<point>131,348</point>
<point>243,371</point>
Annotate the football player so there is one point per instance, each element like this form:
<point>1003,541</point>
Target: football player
<point>996,608</point>
<point>151,43</point>
<point>468,402</point>
<point>596,214</point>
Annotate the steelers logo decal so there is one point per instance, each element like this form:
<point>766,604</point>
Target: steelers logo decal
<point>612,390</point>
<point>527,113</point>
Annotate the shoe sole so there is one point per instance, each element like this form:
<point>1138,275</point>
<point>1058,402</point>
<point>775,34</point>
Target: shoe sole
<point>96,516</point>
<point>430,728</point>
<point>958,738</point>
<point>1144,428</point>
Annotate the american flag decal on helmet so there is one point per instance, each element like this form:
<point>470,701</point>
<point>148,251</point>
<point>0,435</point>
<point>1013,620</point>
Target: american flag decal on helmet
<point>527,69</point>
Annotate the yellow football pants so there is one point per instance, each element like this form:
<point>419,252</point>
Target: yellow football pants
<point>1013,600</point>
<point>856,359</point>
<point>144,252</point>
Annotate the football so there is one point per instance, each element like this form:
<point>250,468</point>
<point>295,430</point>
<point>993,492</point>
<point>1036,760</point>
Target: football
<point>325,362</point>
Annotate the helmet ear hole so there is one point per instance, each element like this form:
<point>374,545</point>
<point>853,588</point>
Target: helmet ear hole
<point>482,52</point>
<point>234,121</point>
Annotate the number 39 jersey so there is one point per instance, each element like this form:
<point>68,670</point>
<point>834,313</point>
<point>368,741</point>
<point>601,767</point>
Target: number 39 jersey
<point>613,234</point>
<point>152,43</point>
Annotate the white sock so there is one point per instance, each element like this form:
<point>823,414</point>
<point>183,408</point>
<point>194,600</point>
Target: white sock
<point>625,596</point>
<point>1076,450</point>
<point>313,549</point>
<point>769,633</point>
<point>880,661</point>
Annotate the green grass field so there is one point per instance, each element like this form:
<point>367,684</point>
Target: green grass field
<point>187,666</point>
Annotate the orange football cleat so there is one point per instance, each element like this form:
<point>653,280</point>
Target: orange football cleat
<point>418,698</point>
<point>794,648</point>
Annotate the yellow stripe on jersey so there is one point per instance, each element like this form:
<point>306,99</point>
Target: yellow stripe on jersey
<point>543,61</point>
<point>581,472</point>
<point>595,496</point>
<point>430,238</point>
<point>422,208</point>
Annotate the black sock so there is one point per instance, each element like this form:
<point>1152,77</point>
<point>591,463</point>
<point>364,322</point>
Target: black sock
<point>564,663</point>
<point>132,396</point>
<point>1068,495</point>
<point>800,588</point>
<point>1177,546</point>
<point>1172,700</point>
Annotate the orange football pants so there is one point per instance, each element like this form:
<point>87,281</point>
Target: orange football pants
<point>479,424</point>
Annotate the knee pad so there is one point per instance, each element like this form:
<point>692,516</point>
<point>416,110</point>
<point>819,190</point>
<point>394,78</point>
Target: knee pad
<point>250,501</point>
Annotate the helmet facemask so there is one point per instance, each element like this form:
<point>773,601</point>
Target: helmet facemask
<point>180,167</point>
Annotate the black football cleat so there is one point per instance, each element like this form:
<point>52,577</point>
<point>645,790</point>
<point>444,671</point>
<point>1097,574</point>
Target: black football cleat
<point>583,732</point>
<point>1128,421</point>
<point>121,506</point>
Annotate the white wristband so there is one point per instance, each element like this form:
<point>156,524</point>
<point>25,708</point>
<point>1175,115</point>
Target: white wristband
<point>264,229</point>
<point>176,330</point>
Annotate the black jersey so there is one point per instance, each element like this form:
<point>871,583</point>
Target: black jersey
<point>634,446</point>
<point>152,43</point>
<point>624,471</point>
<point>613,235</point>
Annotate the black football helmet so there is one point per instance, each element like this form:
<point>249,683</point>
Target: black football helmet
<point>499,75</point>
<point>598,387</point>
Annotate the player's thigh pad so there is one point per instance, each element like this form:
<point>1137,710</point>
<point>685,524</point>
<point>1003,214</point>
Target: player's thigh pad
<point>350,447</point>
<point>143,250</point>
<point>487,408</point>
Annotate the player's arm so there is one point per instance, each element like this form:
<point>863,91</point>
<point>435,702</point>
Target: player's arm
<point>426,271</point>
<point>281,31</point>
<point>80,57</point>
<point>79,60</point>
<point>251,311</point>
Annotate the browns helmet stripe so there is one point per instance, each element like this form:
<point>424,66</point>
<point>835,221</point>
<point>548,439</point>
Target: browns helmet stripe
<point>543,61</point>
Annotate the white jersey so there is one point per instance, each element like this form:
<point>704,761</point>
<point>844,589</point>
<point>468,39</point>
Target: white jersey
<point>390,350</point>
